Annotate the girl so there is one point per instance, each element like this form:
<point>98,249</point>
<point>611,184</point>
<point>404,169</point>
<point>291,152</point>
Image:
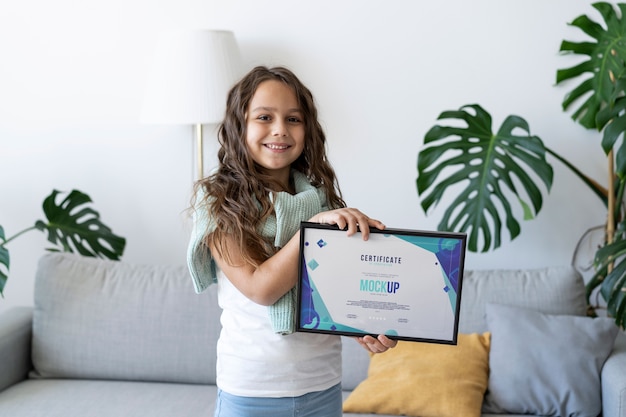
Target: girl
<point>272,174</point>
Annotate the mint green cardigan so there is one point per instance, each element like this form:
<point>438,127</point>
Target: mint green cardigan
<point>289,210</point>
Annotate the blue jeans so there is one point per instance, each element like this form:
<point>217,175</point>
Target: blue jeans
<point>315,404</point>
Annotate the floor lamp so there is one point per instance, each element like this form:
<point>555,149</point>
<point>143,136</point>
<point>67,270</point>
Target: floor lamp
<point>189,78</point>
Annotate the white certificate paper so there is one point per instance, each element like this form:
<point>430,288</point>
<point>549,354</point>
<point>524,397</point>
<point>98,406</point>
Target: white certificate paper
<point>405,284</point>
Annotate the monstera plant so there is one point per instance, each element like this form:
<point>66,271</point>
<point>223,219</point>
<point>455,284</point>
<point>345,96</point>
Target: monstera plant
<point>501,175</point>
<point>72,226</point>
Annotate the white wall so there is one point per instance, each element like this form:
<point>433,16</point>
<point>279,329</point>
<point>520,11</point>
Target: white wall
<point>71,81</point>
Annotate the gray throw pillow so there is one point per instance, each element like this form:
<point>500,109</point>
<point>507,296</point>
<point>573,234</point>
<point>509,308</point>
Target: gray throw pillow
<point>546,364</point>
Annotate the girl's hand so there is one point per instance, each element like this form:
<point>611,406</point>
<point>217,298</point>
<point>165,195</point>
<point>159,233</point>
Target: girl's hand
<point>378,345</point>
<point>349,218</point>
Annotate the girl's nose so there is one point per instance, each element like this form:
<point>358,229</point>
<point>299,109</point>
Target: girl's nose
<point>279,128</point>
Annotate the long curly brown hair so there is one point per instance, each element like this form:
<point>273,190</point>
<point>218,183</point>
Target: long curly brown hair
<point>237,194</point>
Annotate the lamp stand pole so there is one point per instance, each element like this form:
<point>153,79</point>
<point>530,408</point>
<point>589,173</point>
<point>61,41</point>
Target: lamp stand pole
<point>199,151</point>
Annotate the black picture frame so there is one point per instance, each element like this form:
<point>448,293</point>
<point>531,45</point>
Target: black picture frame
<point>406,284</point>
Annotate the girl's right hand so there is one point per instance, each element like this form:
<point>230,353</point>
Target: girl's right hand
<point>376,345</point>
<point>349,218</point>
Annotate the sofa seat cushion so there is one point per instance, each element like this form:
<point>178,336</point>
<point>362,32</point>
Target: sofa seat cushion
<point>88,398</point>
<point>101,319</point>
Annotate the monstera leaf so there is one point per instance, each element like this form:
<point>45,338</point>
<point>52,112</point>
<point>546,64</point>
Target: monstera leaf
<point>615,126</point>
<point>603,66</point>
<point>75,227</point>
<point>71,225</point>
<point>487,169</point>
<point>610,262</point>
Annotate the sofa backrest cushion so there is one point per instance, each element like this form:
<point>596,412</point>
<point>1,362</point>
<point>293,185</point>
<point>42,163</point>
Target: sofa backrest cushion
<point>101,319</point>
<point>552,290</point>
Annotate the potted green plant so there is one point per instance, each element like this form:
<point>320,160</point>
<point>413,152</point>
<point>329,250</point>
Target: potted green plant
<point>72,226</point>
<point>510,166</point>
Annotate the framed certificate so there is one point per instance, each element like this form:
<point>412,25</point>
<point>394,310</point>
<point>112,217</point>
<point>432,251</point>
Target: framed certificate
<point>405,284</point>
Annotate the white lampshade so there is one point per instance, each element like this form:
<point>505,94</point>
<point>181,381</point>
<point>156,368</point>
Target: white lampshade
<point>190,76</point>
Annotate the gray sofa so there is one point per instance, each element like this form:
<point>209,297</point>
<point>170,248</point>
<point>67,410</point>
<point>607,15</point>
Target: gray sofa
<point>114,339</point>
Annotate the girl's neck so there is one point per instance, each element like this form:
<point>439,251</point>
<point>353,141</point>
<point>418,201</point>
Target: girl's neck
<point>284,182</point>
<point>289,186</point>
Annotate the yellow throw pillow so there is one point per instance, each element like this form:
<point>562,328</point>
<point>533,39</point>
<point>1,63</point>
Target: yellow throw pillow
<point>426,379</point>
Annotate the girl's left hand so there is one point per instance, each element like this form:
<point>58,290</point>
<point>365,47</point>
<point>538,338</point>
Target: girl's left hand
<point>376,345</point>
<point>349,219</point>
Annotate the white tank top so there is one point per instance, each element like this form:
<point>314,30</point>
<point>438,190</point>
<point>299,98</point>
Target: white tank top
<point>253,361</point>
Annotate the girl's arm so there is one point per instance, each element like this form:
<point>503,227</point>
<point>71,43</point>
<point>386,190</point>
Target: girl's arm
<point>269,281</point>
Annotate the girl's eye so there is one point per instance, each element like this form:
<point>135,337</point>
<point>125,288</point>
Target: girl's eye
<point>293,120</point>
<point>263,117</point>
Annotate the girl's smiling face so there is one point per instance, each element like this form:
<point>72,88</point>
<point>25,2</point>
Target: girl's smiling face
<point>275,129</point>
